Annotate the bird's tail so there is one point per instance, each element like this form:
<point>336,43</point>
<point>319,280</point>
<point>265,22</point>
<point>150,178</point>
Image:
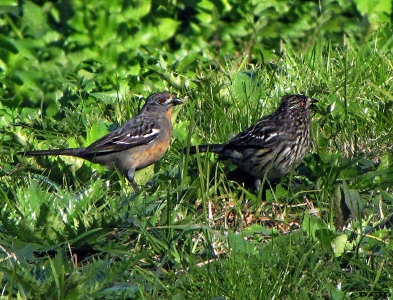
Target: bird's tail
<point>216,148</point>
<point>71,152</point>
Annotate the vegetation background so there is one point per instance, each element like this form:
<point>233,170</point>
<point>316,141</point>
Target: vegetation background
<point>71,70</point>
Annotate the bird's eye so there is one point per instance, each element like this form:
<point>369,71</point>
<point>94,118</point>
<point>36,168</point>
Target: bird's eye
<point>161,100</point>
<point>303,103</point>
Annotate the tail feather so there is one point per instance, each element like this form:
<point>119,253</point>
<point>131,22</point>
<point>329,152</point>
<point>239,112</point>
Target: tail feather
<point>71,152</point>
<point>215,148</point>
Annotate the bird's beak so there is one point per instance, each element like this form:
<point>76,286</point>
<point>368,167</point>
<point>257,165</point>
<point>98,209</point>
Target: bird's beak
<point>312,103</point>
<point>177,101</point>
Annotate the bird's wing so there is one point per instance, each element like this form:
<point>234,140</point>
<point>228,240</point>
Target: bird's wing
<point>263,134</point>
<point>135,132</point>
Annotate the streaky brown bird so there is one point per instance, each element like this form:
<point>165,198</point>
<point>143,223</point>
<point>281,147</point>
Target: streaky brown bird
<point>271,147</point>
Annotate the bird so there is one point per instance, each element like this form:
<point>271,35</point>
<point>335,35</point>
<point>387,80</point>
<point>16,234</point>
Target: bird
<point>272,146</point>
<point>138,143</point>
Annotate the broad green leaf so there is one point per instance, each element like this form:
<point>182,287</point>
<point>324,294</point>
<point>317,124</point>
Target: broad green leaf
<point>97,130</point>
<point>353,200</point>
<point>166,28</point>
<point>8,44</point>
<point>339,243</point>
<point>311,224</point>
<point>377,10</point>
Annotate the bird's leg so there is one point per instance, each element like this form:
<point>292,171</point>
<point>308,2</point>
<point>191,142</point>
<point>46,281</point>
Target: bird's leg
<point>130,177</point>
<point>260,188</point>
<point>257,184</point>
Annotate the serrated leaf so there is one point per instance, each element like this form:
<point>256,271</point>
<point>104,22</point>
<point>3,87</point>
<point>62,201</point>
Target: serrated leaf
<point>258,229</point>
<point>311,224</point>
<point>339,243</point>
<point>238,244</point>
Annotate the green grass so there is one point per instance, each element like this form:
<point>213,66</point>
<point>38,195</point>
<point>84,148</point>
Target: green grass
<point>73,224</point>
<point>71,229</point>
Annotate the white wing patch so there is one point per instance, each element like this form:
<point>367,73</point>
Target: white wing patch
<point>154,131</point>
<point>272,135</point>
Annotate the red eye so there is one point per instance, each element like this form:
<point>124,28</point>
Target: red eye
<point>303,103</point>
<point>161,100</point>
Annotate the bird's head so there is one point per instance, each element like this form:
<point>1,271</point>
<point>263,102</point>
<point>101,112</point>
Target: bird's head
<point>162,99</point>
<point>298,102</point>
